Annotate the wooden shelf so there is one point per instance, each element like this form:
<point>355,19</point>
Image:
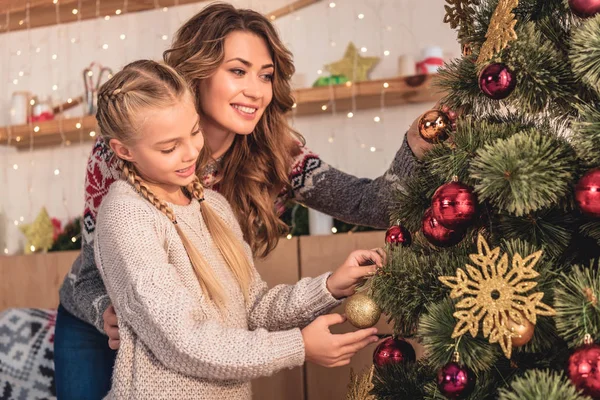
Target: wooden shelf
<point>43,12</point>
<point>367,95</point>
<point>49,132</point>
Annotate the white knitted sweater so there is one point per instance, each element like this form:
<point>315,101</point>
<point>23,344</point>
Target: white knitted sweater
<point>174,343</point>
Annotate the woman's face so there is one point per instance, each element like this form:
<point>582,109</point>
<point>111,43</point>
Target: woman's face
<point>234,99</point>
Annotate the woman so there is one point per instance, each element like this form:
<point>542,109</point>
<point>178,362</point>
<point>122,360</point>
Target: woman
<point>239,70</point>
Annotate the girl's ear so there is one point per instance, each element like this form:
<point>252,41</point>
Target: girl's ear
<point>121,150</point>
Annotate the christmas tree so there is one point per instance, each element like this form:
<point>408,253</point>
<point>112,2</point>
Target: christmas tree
<point>493,259</point>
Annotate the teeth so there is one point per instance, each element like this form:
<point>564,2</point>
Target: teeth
<point>247,110</point>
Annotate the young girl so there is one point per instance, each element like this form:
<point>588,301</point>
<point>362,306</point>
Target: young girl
<point>239,70</point>
<point>195,318</point>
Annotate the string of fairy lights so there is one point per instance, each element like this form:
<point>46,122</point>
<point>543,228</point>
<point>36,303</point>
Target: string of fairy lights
<point>62,90</point>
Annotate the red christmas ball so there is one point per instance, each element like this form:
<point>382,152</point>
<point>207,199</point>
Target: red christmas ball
<point>497,81</point>
<point>587,193</point>
<point>455,381</point>
<point>585,8</point>
<point>393,351</point>
<point>454,205</point>
<point>437,234</point>
<point>584,369</point>
<point>398,235</point>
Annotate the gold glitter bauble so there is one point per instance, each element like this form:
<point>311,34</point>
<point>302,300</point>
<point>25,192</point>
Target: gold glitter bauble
<point>522,331</point>
<point>494,295</point>
<point>434,126</point>
<point>362,311</point>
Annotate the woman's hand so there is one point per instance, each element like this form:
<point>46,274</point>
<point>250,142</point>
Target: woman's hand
<point>418,145</point>
<point>111,327</point>
<point>360,265</point>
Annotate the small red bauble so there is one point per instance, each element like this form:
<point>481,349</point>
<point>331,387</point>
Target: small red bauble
<point>497,81</point>
<point>437,234</point>
<point>393,351</point>
<point>455,381</point>
<point>585,8</point>
<point>587,193</point>
<point>398,235</point>
<point>454,205</point>
<point>584,369</point>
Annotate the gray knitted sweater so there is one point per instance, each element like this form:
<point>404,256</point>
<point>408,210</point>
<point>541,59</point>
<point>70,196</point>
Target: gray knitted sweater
<point>175,344</point>
<point>314,183</point>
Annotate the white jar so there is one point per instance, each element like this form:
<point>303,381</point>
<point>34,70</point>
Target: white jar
<point>19,108</point>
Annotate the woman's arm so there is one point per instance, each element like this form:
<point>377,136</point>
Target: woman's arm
<point>83,290</point>
<point>149,296</point>
<point>361,201</point>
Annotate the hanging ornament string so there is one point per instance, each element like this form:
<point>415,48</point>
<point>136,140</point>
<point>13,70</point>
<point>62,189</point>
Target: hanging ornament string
<point>501,31</point>
<point>78,41</point>
<point>31,124</point>
<point>6,163</point>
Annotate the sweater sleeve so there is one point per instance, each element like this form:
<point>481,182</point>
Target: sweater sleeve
<point>289,306</point>
<point>150,297</point>
<point>345,197</point>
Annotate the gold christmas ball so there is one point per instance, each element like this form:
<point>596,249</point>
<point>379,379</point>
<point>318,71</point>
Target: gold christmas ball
<point>362,311</point>
<point>434,126</point>
<point>521,333</point>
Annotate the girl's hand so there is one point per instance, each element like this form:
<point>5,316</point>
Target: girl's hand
<point>328,350</point>
<point>358,266</point>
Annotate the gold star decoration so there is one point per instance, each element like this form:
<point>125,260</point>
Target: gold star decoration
<point>495,294</point>
<point>500,32</point>
<point>353,66</point>
<point>39,234</point>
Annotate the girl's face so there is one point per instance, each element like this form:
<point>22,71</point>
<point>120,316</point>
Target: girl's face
<point>167,146</point>
<point>236,96</point>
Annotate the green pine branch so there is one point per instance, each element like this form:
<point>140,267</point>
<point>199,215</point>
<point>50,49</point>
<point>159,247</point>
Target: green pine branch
<point>585,52</point>
<point>448,159</point>
<point>586,134</point>
<point>551,229</point>
<point>409,282</point>
<point>544,78</point>
<point>435,331</point>
<point>527,172</point>
<point>413,199</point>
<point>402,381</point>
<point>576,304</point>
<point>538,384</point>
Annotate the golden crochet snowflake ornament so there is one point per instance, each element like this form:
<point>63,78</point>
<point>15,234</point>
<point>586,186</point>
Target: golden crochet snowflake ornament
<point>501,30</point>
<point>495,294</point>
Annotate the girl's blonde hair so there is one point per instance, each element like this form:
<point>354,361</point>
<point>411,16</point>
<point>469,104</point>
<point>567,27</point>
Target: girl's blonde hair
<point>140,87</point>
<point>256,168</point>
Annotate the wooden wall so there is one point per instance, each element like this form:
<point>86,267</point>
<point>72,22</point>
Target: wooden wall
<point>34,280</point>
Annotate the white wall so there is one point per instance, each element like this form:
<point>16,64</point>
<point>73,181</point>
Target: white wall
<point>399,26</point>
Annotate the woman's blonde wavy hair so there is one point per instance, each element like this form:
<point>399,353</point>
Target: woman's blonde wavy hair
<point>256,168</point>
<point>141,87</point>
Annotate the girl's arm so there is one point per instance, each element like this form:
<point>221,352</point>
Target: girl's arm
<point>360,201</point>
<point>149,297</point>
